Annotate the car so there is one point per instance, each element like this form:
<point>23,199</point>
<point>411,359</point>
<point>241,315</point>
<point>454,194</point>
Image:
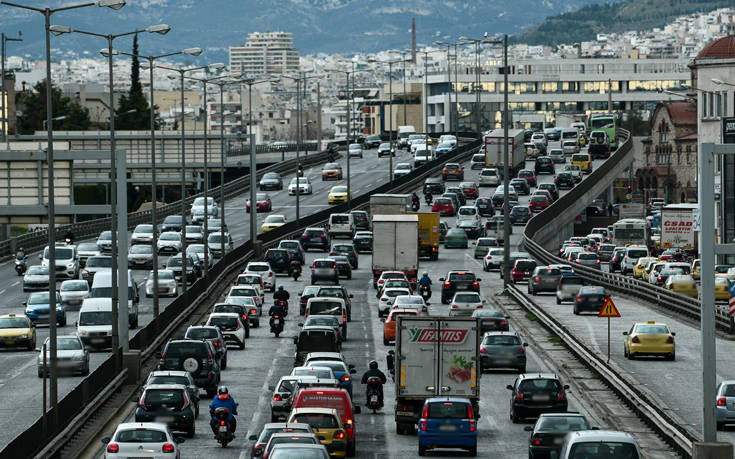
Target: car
<point>491,320</point>
<point>71,356</point>
<point>213,334</point>
<point>73,292</point>
<point>445,147</point>
<point>325,321</point>
<point>263,203</point>
<point>452,171</point>
<point>521,185</point>
<point>291,439</point>
<point>500,193</point>
<point>17,331</point>
<point>272,222</point>
<point>394,283</point>
<point>386,297</point>
<point>248,312</point>
<point>171,401</point>
<point>361,219</point>
<point>279,260</point>
<point>502,349</point>
<point>197,251</point>
<point>721,288</point>
<point>539,137</point>
<point>568,288</point>
<point>725,403</point>
<point>448,138</point>
<point>303,188</point>
<point>402,169</point>
<point>37,308</point>
<point>140,256</point>
<point>589,259</point>
<point>632,254</point>
<point>489,177</point>
<point>590,298</point>
<point>485,207</point>
<point>605,252</point>
<point>434,185</point>
<point>575,170</point>
<point>447,422</point>
<point>483,244</point>
<point>237,291</point>
<point>462,200</point>
<point>472,228</point>
<point>557,155</point>
<point>142,234</point>
<point>294,248</point>
<point>197,357</point>
<point>544,164</point>
<point>338,194</point>
<point>231,325</point>
<point>443,206</point>
<point>344,268</point>
<point>363,241</point>
<point>385,276</point>
<point>570,147</point>
<point>470,190</point>
<point>195,234</point>
<point>551,188</point>
<point>169,242</point>
<point>617,259</point>
<point>564,180</point>
<point>683,284</point>
<point>271,181</point>
<point>529,175</point>
<point>36,278</point>
<point>342,372</point>
<point>522,269</point>
<point>104,240</point>
<point>547,435</point>
<point>198,216</point>
<point>347,250</point>
<point>465,303</point>
<point>372,141</point>
<point>355,150</point>
<point>583,160</point>
<point>411,302</point>
<point>326,424</point>
<point>332,171</point>
<point>520,215</point>
<point>422,155</point>
<point>696,269</point>
<point>260,441</point>
<point>389,326</point>
<point>385,149</point>
<point>315,238</point>
<point>457,238</point>
<point>215,225</point>
<point>86,250</point>
<point>478,161</point>
<point>167,284</point>
<point>600,443</point>
<point>67,265</point>
<point>443,228</point>
<point>468,213</point>
<point>458,281</point>
<point>178,377</point>
<point>535,393</point>
<point>175,265</point>
<point>324,270</point>
<point>129,438</point>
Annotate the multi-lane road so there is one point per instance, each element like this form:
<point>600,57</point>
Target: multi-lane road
<point>20,387</point>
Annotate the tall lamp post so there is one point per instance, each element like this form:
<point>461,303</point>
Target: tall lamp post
<point>47,13</point>
<point>478,68</point>
<point>348,97</point>
<point>299,81</point>
<point>119,332</point>
<point>154,184</point>
<point>426,97</point>
<point>3,99</point>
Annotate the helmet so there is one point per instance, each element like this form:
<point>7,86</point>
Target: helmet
<point>426,274</point>
<point>373,365</point>
<point>222,390</point>
<point>280,287</point>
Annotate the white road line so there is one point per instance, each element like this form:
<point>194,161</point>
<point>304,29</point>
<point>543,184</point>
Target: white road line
<point>15,283</point>
<point>2,291</point>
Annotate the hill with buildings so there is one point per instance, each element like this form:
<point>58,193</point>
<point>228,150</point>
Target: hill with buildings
<point>585,23</point>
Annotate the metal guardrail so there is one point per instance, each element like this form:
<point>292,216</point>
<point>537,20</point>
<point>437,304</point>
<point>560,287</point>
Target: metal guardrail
<point>627,389</point>
<point>153,335</point>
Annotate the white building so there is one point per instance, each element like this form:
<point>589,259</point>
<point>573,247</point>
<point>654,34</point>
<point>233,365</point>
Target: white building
<point>265,53</point>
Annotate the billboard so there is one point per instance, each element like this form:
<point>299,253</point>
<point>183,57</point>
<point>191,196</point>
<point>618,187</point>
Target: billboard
<point>677,228</point>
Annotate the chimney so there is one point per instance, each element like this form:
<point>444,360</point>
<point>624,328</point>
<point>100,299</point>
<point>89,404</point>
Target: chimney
<point>413,40</point>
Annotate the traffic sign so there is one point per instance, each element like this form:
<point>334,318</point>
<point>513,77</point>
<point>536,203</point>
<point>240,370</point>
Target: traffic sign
<point>609,309</point>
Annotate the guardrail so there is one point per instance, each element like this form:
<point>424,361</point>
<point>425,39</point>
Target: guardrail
<point>626,388</point>
<point>149,338</point>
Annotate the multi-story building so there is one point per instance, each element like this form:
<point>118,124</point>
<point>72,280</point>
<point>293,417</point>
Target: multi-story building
<point>265,53</point>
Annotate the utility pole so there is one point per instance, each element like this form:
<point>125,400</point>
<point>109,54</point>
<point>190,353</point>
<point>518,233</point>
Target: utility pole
<point>609,96</point>
<point>318,117</point>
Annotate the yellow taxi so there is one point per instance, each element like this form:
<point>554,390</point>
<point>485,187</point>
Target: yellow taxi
<point>337,194</point>
<point>696,268</point>
<point>327,425</point>
<point>721,284</point>
<point>639,270</point>
<point>583,160</point>
<point>683,284</point>
<point>649,338</point>
<point>17,331</point>
<point>272,222</point>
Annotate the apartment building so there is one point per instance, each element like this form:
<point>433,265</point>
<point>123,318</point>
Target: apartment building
<point>265,53</point>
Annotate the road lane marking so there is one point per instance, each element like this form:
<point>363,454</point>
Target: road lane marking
<point>15,283</point>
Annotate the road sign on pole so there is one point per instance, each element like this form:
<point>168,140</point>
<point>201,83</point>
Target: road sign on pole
<point>608,310</point>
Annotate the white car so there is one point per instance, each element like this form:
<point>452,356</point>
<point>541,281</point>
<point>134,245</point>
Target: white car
<point>468,213</point>
<point>132,438</point>
<point>243,290</point>
<point>402,169</point>
<point>575,170</point>
<point>143,234</point>
<point>465,303</point>
<point>74,291</point>
<point>448,139</point>
<point>232,328</point>
<point>539,138</point>
<point>355,150</point>
<point>388,297</point>
<point>304,186</point>
<point>167,284</point>
<point>211,204</point>
<point>411,302</point>
<point>265,271</point>
<point>557,155</point>
<point>493,259</point>
<point>66,261</point>
<point>169,242</point>
<point>251,280</point>
<point>198,249</point>
<point>489,177</point>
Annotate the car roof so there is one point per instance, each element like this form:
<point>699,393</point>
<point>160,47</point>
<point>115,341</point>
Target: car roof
<point>142,425</point>
<point>599,436</point>
<point>539,376</point>
<point>500,333</point>
<point>165,387</point>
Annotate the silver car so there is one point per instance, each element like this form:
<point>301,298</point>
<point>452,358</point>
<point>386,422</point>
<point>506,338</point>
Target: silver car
<point>142,234</point>
<point>568,288</point>
<point>557,155</point>
<point>543,279</point>
<point>195,234</point>
<point>402,169</point>
<point>104,241</point>
<point>502,349</point>
<point>140,256</point>
<point>589,259</point>
<point>355,149</point>
<point>86,250</point>
<point>489,177</point>
<point>198,249</point>
<point>214,241</point>
<point>74,291</point>
<point>71,355</point>
<point>465,303</point>
<point>36,278</point>
<point>169,242</point>
<point>95,265</point>
<point>167,284</point>
<point>725,405</point>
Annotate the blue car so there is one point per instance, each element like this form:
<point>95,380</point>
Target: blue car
<point>448,422</point>
<point>37,308</point>
<point>342,372</point>
<point>443,148</point>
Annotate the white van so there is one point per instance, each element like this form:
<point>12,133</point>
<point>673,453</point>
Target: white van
<point>94,325</point>
<point>422,156</point>
<point>102,288</point>
<point>67,264</point>
<point>403,133</point>
<point>341,225</point>
<point>570,134</point>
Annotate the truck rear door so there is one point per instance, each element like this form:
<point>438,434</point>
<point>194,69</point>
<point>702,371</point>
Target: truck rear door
<point>417,345</point>
<point>458,347</point>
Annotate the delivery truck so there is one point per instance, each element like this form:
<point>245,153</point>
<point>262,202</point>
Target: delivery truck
<point>389,204</point>
<point>494,150</point>
<point>395,245</point>
<point>677,226</point>
<point>434,357</point>
<point>428,234</point>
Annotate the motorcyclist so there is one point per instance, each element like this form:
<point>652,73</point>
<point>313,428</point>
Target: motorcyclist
<point>374,371</point>
<point>281,294</point>
<point>415,200</point>
<point>428,197</point>
<point>20,254</point>
<point>277,310</point>
<point>425,280</point>
<point>223,399</point>
<point>69,236</point>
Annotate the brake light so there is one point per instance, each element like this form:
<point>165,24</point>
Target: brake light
<point>345,378</point>
<point>537,279</point>
<point>670,340</point>
<point>276,398</point>
<point>339,435</point>
<point>483,350</point>
<point>142,402</point>
<point>384,299</point>
<point>258,451</point>
<point>579,299</point>
<point>561,396</point>
<point>503,323</point>
<point>471,417</point>
<point>721,401</point>
<point>536,442</point>
<point>597,262</point>
<point>475,284</point>
<point>454,306</point>
<point>348,424</point>
<point>660,279</point>
<point>168,448</point>
<point>217,343</point>
<point>113,448</point>
<point>636,340</point>
<point>519,396</point>
<point>521,350</point>
<point>334,266</point>
<point>331,253</point>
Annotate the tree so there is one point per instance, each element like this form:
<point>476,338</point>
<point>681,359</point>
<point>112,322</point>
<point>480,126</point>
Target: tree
<point>33,105</point>
<point>633,122</point>
<point>140,118</point>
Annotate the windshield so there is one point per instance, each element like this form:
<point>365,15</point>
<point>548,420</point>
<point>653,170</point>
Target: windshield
<point>502,340</point>
<point>448,410</point>
<point>202,333</point>
<point>38,270</point>
<point>14,322</point>
<point>99,262</point>
<point>74,286</point>
<point>637,253</point>
<point>67,344</point>
<point>172,219</point>
<point>317,420</point>
<point>144,229</point>
<point>658,329</point>
<point>141,249</point>
<point>561,424</point>
<point>170,237</point>
<point>95,318</point>
<point>40,298</point>
<point>332,308</point>
<point>317,341</point>
<point>603,449</point>
<point>275,219</point>
<point>324,321</point>
<point>62,253</point>
<point>467,298</point>
<point>225,323</point>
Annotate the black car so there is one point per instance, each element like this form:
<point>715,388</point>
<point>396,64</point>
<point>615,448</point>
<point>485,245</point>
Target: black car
<point>460,194</point>
<point>564,180</point>
<point>544,164</point>
<point>176,377</point>
<point>485,207</point>
<point>309,291</point>
<point>521,186</point>
<point>271,181</point>
<point>168,403</point>
<point>193,271</point>
<point>347,250</point>
<point>279,259</point>
<point>458,281</point>
<point>491,320</point>
<point>294,248</point>
<point>344,268</point>
<point>434,184</point>
<point>520,215</point>
<point>590,299</point>
<point>363,241</point>
<point>547,436</point>
<point>197,357</point>
<point>361,218</point>
<point>248,315</point>
<point>172,223</point>
<point>372,141</point>
<point>473,228</point>
<point>315,238</point>
<point>551,188</point>
<point>315,339</point>
<point>214,336</point>
<point>617,258</point>
<point>535,393</point>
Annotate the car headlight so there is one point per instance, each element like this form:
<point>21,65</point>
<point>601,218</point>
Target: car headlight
<point>29,311</point>
<point>70,265</point>
<point>82,332</point>
<point>24,336</point>
<point>59,308</point>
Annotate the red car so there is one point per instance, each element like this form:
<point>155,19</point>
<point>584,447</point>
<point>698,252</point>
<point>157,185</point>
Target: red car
<point>262,203</point>
<point>528,175</point>
<point>444,206</point>
<point>538,203</point>
<point>522,270</point>
<point>470,190</point>
<point>545,193</point>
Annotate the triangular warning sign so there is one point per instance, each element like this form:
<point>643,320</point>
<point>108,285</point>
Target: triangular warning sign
<point>609,309</point>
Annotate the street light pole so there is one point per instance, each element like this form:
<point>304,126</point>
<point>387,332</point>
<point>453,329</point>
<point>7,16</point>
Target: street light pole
<point>477,43</point>
<point>3,97</point>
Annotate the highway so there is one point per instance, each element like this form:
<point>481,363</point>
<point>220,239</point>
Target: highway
<point>252,374</point>
<point>19,384</point>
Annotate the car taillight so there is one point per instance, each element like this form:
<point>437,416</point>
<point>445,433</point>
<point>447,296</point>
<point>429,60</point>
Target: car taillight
<point>331,253</point>
<point>348,424</point>
<point>339,435</point>
<point>258,450</point>
<point>217,343</point>
<point>579,299</point>
<point>334,266</point>
<point>536,442</point>
<point>471,418</point>
<point>519,396</point>
<point>384,299</point>
<point>483,350</point>
<point>503,323</point>
<point>537,279</point>
<point>253,311</point>
<point>113,448</point>
<point>475,284</point>
<point>561,396</point>
<point>168,448</point>
<point>636,340</point>
<point>521,350</point>
<point>660,279</point>
<point>721,401</point>
<point>276,398</point>
<point>597,262</point>
<point>345,378</point>
<point>670,340</point>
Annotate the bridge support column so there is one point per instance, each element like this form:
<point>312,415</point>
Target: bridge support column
<point>703,450</point>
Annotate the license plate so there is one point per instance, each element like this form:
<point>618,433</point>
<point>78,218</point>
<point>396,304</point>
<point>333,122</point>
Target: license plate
<point>165,419</point>
<point>540,398</point>
<point>223,429</point>
<point>9,342</point>
<point>374,398</point>
<point>559,440</point>
<point>447,427</point>
<point>140,262</point>
<point>277,322</point>
<point>98,340</point>
<point>315,239</point>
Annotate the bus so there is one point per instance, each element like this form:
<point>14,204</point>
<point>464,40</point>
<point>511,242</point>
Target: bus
<point>605,122</point>
<point>631,231</point>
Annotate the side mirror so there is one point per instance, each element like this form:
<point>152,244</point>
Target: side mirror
<point>509,387</point>
<point>478,279</point>
<point>76,324</point>
<point>105,440</point>
<point>351,295</point>
<point>25,303</point>
<point>566,386</point>
<point>594,428</point>
<point>301,324</point>
<point>673,334</point>
<point>441,279</point>
<point>40,256</point>
<point>625,333</point>
<point>525,344</point>
<point>352,371</point>
<point>528,428</point>
<point>135,399</point>
<point>253,437</point>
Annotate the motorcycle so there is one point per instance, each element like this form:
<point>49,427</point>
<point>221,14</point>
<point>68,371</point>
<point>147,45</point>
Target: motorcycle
<point>224,435</point>
<point>20,266</point>
<point>426,293</point>
<point>415,205</point>
<point>276,325</point>
<point>428,198</point>
<point>284,305</point>
<point>373,393</point>
<point>295,270</point>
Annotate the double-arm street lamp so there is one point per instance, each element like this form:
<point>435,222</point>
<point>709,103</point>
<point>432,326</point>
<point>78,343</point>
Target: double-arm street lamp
<point>119,329</point>
<point>453,109</point>
<point>350,108</point>
<point>426,97</point>
<point>3,98</point>
<point>154,184</point>
<point>478,68</point>
<point>47,13</point>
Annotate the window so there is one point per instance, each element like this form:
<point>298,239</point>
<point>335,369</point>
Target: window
<point>724,103</point>
<point>711,104</point>
<point>719,104</point>
<point>704,106</point>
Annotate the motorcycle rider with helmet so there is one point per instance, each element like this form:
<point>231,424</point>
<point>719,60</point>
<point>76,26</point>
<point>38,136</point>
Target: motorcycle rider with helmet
<point>374,371</point>
<point>281,294</point>
<point>425,282</point>
<point>223,400</point>
<point>428,197</point>
<point>20,255</point>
